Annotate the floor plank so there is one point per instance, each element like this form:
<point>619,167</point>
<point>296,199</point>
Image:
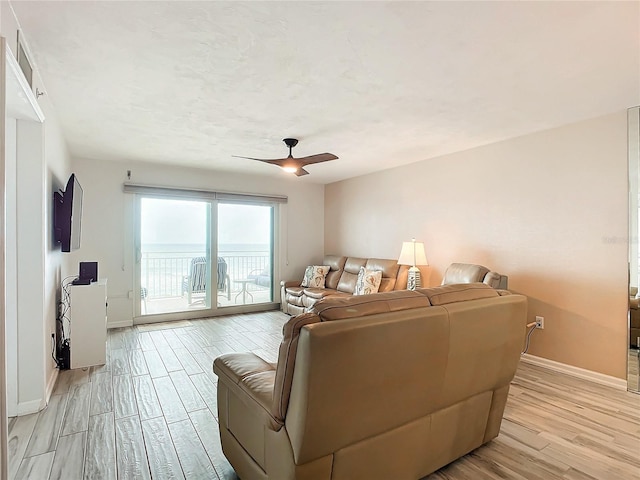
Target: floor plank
<point>137,362</point>
<point>193,457</point>
<point>207,428</point>
<point>189,363</point>
<point>47,427</point>
<point>21,430</point>
<point>69,458</point>
<point>208,391</point>
<point>170,402</point>
<point>163,459</point>
<point>119,362</point>
<point>130,452</point>
<point>36,467</point>
<point>188,393</point>
<point>101,393</point>
<point>76,417</point>
<point>125,404</point>
<point>100,457</point>
<point>148,403</point>
<point>154,363</point>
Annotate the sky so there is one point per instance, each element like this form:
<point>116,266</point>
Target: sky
<point>170,221</point>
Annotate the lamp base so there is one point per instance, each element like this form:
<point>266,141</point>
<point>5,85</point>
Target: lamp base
<point>413,279</point>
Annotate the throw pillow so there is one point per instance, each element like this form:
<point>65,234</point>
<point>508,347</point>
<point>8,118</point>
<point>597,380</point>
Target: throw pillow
<point>314,276</point>
<point>368,281</point>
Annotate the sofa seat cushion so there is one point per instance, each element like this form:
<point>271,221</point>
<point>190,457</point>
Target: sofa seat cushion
<point>294,291</point>
<point>318,293</point>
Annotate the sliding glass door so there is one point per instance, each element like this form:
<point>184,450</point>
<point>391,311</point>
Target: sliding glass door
<point>198,256</point>
<point>175,260</point>
<point>245,253</point>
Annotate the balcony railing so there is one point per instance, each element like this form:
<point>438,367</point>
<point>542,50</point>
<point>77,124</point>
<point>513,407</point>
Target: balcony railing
<point>163,273</point>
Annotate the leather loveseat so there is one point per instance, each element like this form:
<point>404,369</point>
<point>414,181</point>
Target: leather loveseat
<point>341,281</point>
<point>389,385</point>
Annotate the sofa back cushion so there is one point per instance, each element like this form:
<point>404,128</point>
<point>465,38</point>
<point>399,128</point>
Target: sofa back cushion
<point>460,292</point>
<point>336,263</point>
<point>349,277</point>
<point>286,362</point>
<point>389,270</point>
<point>464,273</point>
<point>341,308</point>
<point>496,280</point>
<point>357,378</point>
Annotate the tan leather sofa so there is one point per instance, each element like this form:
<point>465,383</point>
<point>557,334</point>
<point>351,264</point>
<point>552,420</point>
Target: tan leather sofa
<point>341,281</point>
<point>470,273</point>
<point>385,386</point>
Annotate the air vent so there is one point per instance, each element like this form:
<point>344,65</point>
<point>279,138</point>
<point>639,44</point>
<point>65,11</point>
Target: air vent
<point>24,63</point>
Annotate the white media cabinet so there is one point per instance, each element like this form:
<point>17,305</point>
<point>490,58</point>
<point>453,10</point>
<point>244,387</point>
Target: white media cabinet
<point>88,321</point>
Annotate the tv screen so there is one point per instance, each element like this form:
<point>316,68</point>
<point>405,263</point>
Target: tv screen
<point>68,215</point>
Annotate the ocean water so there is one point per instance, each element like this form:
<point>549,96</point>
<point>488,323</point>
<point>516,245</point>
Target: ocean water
<point>155,250</point>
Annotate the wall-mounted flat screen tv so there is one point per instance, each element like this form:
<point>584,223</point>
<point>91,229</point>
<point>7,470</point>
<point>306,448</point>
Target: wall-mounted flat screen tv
<point>67,216</point>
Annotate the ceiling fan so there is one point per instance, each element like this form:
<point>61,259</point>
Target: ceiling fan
<point>295,165</point>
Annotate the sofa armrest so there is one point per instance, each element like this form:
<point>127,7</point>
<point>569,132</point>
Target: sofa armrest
<point>290,283</point>
<point>250,379</point>
<point>237,366</point>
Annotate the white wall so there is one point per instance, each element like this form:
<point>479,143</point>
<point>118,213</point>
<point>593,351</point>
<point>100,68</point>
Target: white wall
<point>57,171</point>
<point>41,166</point>
<point>107,219</point>
<point>547,209</point>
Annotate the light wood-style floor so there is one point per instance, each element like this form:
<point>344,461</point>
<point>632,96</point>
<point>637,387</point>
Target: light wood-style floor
<point>151,413</point>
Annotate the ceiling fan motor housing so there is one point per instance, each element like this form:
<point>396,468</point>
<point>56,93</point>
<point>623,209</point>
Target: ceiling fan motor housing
<point>290,142</point>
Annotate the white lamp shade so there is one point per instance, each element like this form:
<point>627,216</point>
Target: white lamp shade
<point>412,253</point>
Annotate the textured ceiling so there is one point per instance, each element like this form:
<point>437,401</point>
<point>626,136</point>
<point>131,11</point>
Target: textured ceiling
<point>379,84</point>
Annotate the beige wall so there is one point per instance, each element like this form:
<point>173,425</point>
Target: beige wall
<point>547,209</point>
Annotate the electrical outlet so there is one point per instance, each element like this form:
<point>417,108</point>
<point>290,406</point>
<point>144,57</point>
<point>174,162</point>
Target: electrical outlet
<point>540,322</point>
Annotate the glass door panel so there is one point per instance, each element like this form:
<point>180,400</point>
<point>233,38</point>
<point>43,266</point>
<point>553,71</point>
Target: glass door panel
<point>175,268</point>
<point>245,254</point>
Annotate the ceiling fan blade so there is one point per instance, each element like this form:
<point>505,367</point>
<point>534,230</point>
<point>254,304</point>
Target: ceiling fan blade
<point>261,159</point>
<point>320,157</point>
<point>300,172</point>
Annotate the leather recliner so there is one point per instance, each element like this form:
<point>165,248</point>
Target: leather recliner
<point>389,385</point>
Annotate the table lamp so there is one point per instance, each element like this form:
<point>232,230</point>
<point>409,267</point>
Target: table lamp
<point>412,253</point>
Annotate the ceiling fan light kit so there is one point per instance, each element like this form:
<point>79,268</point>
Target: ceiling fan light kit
<point>295,165</point>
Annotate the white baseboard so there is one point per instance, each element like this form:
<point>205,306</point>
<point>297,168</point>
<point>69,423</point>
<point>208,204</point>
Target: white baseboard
<point>25,408</point>
<point>595,377</point>
<point>51,386</point>
<point>34,406</point>
<point>120,324</point>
